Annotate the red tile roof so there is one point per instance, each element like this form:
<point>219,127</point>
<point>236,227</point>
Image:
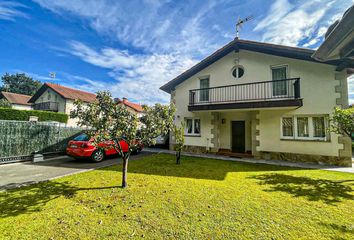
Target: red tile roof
<point>65,92</point>
<point>71,93</point>
<point>135,106</point>
<point>15,98</point>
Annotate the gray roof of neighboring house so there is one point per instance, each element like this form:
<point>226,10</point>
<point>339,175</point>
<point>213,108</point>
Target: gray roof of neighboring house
<point>339,40</point>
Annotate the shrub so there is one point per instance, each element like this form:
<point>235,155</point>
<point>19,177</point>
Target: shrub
<point>23,115</point>
<point>5,104</point>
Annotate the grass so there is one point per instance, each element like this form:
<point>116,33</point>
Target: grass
<point>199,199</point>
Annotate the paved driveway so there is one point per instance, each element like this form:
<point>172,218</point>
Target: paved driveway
<point>18,174</point>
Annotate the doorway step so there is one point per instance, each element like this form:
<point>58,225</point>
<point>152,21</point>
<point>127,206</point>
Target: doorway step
<point>227,152</point>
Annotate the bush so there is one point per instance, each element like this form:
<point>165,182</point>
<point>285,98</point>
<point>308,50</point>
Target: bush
<point>23,115</point>
<point>5,104</point>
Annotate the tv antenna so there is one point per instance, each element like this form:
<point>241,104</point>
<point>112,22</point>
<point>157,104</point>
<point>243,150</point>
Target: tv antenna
<point>52,75</point>
<point>240,22</point>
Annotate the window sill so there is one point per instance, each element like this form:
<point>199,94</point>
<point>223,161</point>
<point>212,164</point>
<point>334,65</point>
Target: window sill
<point>192,135</point>
<point>304,140</point>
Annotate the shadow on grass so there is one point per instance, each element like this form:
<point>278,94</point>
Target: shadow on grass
<point>328,191</point>
<point>196,167</point>
<point>339,228</point>
<point>33,198</point>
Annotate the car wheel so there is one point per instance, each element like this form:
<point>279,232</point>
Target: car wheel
<point>97,156</point>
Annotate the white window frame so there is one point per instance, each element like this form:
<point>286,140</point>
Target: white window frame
<point>237,67</point>
<point>193,127</point>
<point>310,126</point>
<point>281,128</point>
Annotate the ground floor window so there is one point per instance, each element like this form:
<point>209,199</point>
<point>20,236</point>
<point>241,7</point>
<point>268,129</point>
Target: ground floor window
<point>304,127</point>
<point>192,126</point>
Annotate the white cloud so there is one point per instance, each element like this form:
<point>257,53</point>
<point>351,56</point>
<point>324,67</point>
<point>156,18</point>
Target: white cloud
<point>276,13</point>
<point>167,35</point>
<point>9,10</point>
<point>154,26</point>
<point>138,76</point>
<point>291,24</point>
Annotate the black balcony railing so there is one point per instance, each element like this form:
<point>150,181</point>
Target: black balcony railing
<point>249,92</point>
<point>46,106</point>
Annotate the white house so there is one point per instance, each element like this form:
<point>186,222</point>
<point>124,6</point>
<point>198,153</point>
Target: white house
<point>17,101</point>
<point>133,107</point>
<point>57,98</point>
<point>263,100</point>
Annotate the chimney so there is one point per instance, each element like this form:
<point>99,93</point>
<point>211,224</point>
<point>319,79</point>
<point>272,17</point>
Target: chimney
<point>125,99</point>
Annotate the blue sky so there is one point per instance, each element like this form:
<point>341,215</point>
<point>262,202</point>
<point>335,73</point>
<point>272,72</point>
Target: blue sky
<point>133,47</point>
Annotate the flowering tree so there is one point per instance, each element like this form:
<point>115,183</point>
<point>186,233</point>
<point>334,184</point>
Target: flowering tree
<point>342,122</point>
<point>108,121</point>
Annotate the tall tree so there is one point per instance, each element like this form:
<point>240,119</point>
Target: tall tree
<point>342,122</point>
<point>19,83</point>
<point>109,121</point>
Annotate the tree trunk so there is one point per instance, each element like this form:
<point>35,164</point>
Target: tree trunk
<point>178,157</point>
<point>125,158</point>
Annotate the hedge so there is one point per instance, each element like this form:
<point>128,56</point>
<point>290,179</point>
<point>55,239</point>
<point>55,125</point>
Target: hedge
<point>23,115</point>
<point>19,138</point>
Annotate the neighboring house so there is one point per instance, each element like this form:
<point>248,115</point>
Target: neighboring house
<point>339,41</point>
<point>57,98</point>
<point>133,107</point>
<point>18,101</point>
<point>266,100</point>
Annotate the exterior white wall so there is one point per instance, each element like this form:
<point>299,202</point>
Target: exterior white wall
<point>317,86</point>
<point>270,137</point>
<point>64,105</point>
<point>69,106</point>
<point>225,128</point>
<point>21,107</point>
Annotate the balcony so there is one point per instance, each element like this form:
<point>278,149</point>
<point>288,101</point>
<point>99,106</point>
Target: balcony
<point>46,106</point>
<point>266,94</point>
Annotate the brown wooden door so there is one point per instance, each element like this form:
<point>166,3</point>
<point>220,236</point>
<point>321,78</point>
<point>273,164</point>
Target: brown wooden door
<point>238,136</point>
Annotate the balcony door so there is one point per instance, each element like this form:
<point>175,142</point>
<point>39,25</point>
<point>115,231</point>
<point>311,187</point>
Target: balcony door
<point>204,90</point>
<point>279,87</point>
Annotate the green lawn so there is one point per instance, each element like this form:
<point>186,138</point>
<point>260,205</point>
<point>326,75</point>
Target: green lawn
<point>199,199</point>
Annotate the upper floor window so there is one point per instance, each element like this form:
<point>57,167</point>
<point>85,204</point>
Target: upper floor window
<point>304,127</point>
<point>279,87</point>
<point>238,71</point>
<point>204,93</point>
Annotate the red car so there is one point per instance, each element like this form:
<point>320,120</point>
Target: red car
<point>81,147</point>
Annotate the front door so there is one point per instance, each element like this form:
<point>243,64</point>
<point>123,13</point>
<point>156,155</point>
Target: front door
<point>238,136</point>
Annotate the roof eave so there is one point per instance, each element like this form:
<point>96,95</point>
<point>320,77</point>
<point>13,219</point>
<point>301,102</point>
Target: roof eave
<point>235,45</point>
<point>343,30</point>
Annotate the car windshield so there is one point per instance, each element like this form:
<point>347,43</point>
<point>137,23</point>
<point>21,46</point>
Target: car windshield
<point>81,137</point>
